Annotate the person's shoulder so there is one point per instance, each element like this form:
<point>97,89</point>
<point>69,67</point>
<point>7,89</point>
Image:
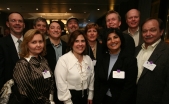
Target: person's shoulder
<point>66,56</point>
<point>63,42</point>
<point>125,31</point>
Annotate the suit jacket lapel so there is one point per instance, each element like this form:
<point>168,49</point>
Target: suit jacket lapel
<point>11,48</point>
<point>63,47</point>
<point>140,38</point>
<point>106,64</point>
<point>117,65</point>
<point>155,55</point>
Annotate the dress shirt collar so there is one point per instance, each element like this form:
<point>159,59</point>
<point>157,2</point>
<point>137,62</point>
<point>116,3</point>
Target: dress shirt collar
<point>15,39</point>
<point>153,45</point>
<point>30,56</point>
<point>130,32</point>
<point>60,44</point>
<point>74,60</point>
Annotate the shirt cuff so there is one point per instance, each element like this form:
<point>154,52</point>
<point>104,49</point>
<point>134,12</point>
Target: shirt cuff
<point>90,96</point>
<point>69,101</point>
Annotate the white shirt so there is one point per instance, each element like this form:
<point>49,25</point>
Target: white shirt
<point>15,39</point>
<point>144,55</point>
<point>135,36</point>
<point>69,75</point>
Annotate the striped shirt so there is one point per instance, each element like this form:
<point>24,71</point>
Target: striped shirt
<point>30,80</point>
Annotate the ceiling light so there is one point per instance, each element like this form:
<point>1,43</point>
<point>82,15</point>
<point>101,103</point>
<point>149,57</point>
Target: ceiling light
<point>98,9</point>
<point>84,12</point>
<point>70,9</point>
<point>36,8</point>
<point>88,20</point>
<point>8,8</point>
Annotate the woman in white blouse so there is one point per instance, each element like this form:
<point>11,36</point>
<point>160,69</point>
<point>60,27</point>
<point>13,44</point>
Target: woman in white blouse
<point>74,72</point>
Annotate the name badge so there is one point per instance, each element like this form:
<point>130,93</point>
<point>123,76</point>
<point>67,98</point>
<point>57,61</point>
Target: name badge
<point>118,74</point>
<point>94,62</point>
<point>149,65</point>
<point>46,74</point>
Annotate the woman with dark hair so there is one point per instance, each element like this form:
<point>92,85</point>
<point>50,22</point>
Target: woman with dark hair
<point>32,75</point>
<point>116,72</point>
<point>74,72</point>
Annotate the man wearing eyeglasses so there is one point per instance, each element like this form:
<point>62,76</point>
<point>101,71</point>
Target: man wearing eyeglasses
<point>9,46</point>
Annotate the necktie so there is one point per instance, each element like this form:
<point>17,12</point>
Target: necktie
<point>19,43</point>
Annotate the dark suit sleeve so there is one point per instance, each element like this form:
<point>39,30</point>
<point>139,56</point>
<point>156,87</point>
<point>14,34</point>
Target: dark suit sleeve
<point>128,93</point>
<point>96,98</point>
<point>2,60</point>
<point>165,96</point>
<point>129,44</point>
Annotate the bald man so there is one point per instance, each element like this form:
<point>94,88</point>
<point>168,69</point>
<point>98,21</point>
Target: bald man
<point>133,20</point>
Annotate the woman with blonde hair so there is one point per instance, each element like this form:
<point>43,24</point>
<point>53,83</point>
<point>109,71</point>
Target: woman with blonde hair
<point>32,75</point>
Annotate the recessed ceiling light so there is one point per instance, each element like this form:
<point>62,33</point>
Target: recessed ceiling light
<point>98,9</point>
<point>70,9</point>
<point>84,12</point>
<point>8,8</point>
<point>36,8</point>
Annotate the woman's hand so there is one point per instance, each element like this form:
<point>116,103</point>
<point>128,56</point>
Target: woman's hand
<point>89,102</point>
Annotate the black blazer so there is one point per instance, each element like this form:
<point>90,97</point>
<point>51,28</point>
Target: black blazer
<point>8,59</point>
<point>129,44</point>
<point>153,86</point>
<point>99,50</point>
<point>122,90</point>
<point>140,36</point>
<point>51,56</point>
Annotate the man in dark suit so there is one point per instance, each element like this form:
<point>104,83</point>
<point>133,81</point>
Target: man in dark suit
<point>153,65</point>
<point>9,46</point>
<point>133,20</point>
<point>55,47</point>
<point>113,20</point>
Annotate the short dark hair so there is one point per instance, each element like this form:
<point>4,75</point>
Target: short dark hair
<point>39,19</point>
<point>55,22</point>
<point>116,31</point>
<point>160,22</point>
<point>73,38</point>
<point>7,19</point>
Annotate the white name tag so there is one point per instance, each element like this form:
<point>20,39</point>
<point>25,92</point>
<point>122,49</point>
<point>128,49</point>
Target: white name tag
<point>46,74</point>
<point>149,65</point>
<point>118,74</point>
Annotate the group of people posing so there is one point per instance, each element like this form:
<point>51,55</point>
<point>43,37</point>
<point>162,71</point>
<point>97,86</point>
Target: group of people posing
<point>89,66</point>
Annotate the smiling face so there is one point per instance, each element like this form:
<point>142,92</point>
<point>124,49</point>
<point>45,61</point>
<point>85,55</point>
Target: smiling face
<point>112,21</point>
<point>54,30</point>
<point>79,45</point>
<point>41,26</point>
<point>16,24</point>
<point>72,25</point>
<point>113,43</point>
<point>151,32</point>
<point>133,18</point>
<point>92,34</point>
<point>36,45</point>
